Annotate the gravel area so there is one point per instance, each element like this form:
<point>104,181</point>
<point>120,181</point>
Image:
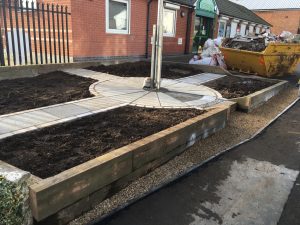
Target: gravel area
<point>240,127</point>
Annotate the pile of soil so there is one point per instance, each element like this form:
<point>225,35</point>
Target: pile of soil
<point>52,150</point>
<point>143,69</point>
<point>43,90</point>
<point>235,87</point>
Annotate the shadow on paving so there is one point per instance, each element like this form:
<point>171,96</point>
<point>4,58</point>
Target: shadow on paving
<point>275,154</point>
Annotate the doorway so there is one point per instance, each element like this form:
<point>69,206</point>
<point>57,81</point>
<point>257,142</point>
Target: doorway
<point>203,31</point>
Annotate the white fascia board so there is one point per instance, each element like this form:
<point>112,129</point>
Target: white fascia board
<point>225,18</point>
<point>171,6</point>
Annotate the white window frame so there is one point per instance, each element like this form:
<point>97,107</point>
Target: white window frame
<point>258,29</point>
<point>116,31</point>
<point>24,4</point>
<point>175,23</point>
<point>225,27</point>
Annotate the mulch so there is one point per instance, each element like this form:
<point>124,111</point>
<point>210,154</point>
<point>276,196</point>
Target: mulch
<point>235,87</point>
<point>43,90</point>
<point>143,69</point>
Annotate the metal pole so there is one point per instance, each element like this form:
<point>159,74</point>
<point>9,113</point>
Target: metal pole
<point>2,59</point>
<point>159,42</point>
<point>153,57</point>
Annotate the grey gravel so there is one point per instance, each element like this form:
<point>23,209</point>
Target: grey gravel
<point>240,127</point>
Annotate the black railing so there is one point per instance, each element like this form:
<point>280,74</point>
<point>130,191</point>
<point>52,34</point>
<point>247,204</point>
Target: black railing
<point>33,33</point>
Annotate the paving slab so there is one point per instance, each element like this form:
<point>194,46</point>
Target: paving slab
<point>94,104</point>
<point>130,97</point>
<point>64,111</point>
<point>168,101</point>
<point>255,183</point>
<point>201,78</point>
<point>90,74</point>
<point>148,100</point>
<point>35,117</point>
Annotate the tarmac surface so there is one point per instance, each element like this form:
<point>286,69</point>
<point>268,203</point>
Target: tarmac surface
<point>255,183</point>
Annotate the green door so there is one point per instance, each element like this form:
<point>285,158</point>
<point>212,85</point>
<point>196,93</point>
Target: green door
<point>204,22</point>
<point>203,31</point>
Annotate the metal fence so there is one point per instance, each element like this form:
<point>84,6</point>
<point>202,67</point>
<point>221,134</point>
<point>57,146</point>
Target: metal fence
<point>33,33</point>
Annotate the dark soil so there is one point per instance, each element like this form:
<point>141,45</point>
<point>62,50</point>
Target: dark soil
<point>235,87</point>
<point>51,150</point>
<point>143,69</point>
<point>43,90</point>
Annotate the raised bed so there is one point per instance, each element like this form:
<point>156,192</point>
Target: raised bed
<point>64,196</point>
<point>252,101</point>
<point>43,90</point>
<point>248,93</point>
<point>55,149</point>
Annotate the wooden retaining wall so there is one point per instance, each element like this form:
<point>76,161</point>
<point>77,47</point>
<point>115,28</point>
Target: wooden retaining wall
<point>253,101</point>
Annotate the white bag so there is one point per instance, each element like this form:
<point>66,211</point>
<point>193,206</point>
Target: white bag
<point>208,44</point>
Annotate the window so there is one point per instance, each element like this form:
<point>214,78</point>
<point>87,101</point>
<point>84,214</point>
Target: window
<point>23,4</point>
<point>222,29</point>
<point>117,16</point>
<point>169,22</point>
<point>228,30</point>
<point>257,30</point>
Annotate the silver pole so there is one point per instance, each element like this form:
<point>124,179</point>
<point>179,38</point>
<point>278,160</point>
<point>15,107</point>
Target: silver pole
<point>159,42</point>
<point>153,57</point>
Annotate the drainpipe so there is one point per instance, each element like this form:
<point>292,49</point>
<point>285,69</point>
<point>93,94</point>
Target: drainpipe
<point>147,27</point>
<point>188,31</point>
<point>2,59</point>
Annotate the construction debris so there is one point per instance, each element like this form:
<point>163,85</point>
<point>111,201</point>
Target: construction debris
<point>259,43</point>
<point>210,55</point>
<point>254,44</point>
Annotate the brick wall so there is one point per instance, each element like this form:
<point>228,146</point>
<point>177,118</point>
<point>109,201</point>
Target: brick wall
<point>89,31</point>
<point>171,46</point>
<point>283,20</point>
<point>90,39</point>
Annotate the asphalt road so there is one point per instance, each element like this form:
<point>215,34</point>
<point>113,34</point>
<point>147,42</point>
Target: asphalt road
<point>255,183</point>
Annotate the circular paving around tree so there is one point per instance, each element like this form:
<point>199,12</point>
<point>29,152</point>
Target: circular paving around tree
<point>173,93</point>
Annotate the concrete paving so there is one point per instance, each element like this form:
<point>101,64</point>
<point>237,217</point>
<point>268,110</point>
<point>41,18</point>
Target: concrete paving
<point>255,183</point>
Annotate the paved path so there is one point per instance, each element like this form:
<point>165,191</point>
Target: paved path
<point>28,120</point>
<point>111,92</point>
<point>178,93</point>
<point>256,183</point>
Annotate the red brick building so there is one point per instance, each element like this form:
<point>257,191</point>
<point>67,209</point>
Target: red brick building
<point>284,15</point>
<point>123,28</point>
<point>282,20</point>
